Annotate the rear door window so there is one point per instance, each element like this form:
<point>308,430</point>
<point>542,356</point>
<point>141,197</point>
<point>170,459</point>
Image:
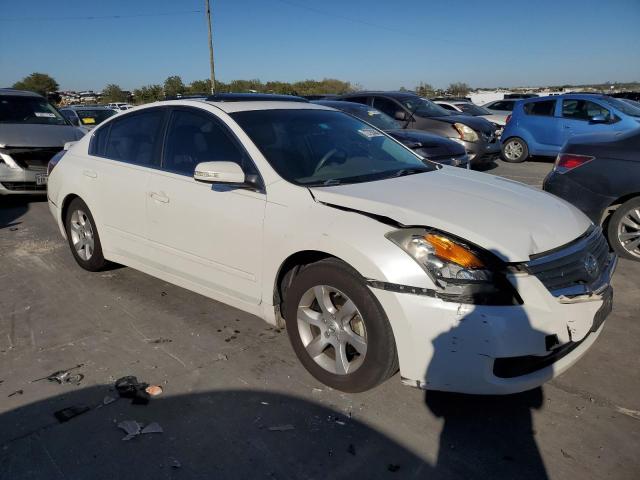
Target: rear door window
<point>134,138</point>
<point>387,106</point>
<point>545,108</point>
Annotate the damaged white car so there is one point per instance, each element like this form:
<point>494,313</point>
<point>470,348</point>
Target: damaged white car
<point>374,260</point>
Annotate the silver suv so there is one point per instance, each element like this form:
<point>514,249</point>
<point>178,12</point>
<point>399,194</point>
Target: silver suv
<point>31,132</point>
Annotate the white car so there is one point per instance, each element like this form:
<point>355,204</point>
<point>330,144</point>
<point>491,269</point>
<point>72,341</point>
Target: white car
<point>311,218</point>
<point>119,106</point>
<point>497,118</point>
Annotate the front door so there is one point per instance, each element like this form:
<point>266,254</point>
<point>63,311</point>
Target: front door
<point>204,234</point>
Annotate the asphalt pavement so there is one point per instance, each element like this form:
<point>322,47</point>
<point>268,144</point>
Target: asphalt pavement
<point>237,404</point>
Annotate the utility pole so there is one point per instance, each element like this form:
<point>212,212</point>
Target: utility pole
<point>213,74</point>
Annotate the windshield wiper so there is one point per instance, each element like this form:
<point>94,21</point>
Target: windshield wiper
<point>408,171</point>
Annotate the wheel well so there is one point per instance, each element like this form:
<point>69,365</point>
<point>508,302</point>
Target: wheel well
<point>288,270</point>
<point>615,204</point>
<point>65,205</point>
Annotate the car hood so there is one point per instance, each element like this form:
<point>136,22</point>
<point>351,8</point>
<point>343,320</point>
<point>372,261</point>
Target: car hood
<point>433,145</point>
<point>512,220</point>
<point>25,135</point>
<point>477,123</point>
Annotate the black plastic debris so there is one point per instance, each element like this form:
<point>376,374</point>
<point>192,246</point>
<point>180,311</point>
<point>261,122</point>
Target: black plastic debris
<point>130,387</point>
<point>64,376</point>
<point>17,392</point>
<point>351,449</point>
<point>161,340</point>
<point>392,467</point>
<point>68,413</point>
<point>133,428</point>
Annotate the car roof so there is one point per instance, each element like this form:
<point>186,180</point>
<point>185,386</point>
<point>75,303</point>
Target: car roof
<point>574,96</point>
<point>382,93</point>
<point>253,97</point>
<point>19,93</point>
<point>235,106</point>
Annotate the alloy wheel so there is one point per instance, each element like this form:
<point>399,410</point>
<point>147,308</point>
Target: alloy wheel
<point>629,232</point>
<point>332,329</point>
<point>513,150</point>
<point>82,234</point>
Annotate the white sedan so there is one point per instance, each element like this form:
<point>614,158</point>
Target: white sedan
<point>373,258</point>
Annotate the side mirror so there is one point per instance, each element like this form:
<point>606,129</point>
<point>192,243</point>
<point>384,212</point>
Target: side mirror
<point>401,115</point>
<point>599,119</point>
<point>219,172</point>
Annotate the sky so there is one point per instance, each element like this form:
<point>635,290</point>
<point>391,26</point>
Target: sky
<point>378,44</point>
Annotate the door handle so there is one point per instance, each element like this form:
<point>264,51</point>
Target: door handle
<point>90,173</point>
<point>159,197</point>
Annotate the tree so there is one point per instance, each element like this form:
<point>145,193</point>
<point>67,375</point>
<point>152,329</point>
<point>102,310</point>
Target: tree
<point>37,82</point>
<point>113,93</point>
<point>425,90</point>
<point>459,89</point>
<point>200,86</point>
<point>173,86</point>
<point>148,93</point>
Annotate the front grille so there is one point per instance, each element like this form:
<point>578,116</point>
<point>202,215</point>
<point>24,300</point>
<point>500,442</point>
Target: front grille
<point>32,158</point>
<point>30,186</point>
<point>576,268</point>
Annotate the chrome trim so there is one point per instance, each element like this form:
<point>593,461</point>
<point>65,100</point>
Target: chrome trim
<point>569,249</point>
<point>595,288</point>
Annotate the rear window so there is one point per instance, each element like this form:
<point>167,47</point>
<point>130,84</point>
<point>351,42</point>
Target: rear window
<point>28,110</point>
<point>543,109</point>
<point>94,117</point>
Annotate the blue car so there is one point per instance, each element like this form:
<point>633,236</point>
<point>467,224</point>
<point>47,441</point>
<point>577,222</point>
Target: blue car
<point>541,126</point>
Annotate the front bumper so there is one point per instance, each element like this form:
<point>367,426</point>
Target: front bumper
<point>20,181</point>
<point>456,347</point>
<point>481,153</point>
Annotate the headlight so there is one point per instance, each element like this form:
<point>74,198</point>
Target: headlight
<point>466,133</point>
<point>461,272</point>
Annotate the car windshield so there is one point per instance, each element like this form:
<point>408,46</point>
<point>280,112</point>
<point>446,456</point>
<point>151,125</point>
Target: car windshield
<point>94,117</point>
<point>24,109</point>
<point>376,118</point>
<point>322,147</point>
<point>424,108</point>
<point>472,109</point>
<point>624,107</point>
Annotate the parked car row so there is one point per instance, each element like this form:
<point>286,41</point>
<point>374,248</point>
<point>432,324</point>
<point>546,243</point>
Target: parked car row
<point>374,259</point>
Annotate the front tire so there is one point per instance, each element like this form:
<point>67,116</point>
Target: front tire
<point>623,230</point>
<point>338,329</point>
<point>83,237</point>
<point>515,150</point>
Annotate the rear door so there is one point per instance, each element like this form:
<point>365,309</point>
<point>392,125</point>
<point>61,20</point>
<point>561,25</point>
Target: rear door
<point>207,235</point>
<point>125,150</point>
<point>542,124</point>
<point>577,115</point>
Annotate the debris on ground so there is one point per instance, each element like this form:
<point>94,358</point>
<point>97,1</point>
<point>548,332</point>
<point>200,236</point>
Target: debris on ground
<point>133,428</point>
<point>173,463</point>
<point>17,392</point>
<point>264,403</point>
<point>565,454</point>
<point>108,399</point>
<point>351,449</point>
<point>281,428</point>
<point>130,387</point>
<point>392,467</point>
<point>161,340</point>
<point>68,413</point>
<point>153,390</point>
<point>64,376</point>
<point>222,356</point>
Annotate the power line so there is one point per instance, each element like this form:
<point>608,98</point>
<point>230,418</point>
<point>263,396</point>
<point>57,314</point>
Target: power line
<point>100,17</point>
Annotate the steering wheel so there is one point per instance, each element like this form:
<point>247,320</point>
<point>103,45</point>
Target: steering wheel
<point>325,159</point>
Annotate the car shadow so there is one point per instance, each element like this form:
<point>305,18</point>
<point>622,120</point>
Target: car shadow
<point>13,207</point>
<point>216,434</point>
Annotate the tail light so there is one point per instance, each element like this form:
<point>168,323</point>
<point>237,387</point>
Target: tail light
<point>508,118</point>
<point>54,161</point>
<point>569,161</point>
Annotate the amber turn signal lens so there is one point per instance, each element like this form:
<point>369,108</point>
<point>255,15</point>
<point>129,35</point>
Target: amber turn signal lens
<point>450,251</point>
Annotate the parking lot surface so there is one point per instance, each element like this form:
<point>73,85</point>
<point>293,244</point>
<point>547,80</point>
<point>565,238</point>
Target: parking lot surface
<point>237,404</point>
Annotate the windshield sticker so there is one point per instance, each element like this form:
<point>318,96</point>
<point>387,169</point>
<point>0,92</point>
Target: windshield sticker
<point>45,114</point>
<point>88,120</point>
<point>370,133</point>
<point>371,113</point>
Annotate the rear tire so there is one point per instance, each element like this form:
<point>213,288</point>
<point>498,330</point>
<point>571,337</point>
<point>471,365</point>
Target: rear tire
<point>515,150</point>
<point>338,329</point>
<point>623,230</point>
<point>83,237</point>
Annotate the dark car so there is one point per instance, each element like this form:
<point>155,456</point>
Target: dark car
<point>427,145</point>
<point>477,135</point>
<point>87,116</point>
<point>600,174</point>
